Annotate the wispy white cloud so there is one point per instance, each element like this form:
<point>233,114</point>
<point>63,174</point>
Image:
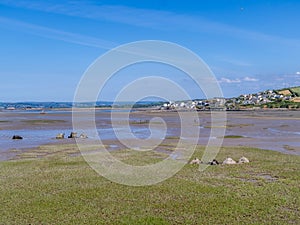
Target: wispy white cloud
<point>157,19</point>
<point>55,34</point>
<point>237,80</point>
<point>297,73</point>
<point>277,81</point>
<point>250,79</point>
<point>42,31</point>
<point>234,62</point>
<point>229,81</point>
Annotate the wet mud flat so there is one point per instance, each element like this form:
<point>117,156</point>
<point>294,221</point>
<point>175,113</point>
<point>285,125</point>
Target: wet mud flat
<point>272,130</point>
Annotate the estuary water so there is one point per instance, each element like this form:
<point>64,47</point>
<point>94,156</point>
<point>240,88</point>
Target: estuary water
<point>277,131</point>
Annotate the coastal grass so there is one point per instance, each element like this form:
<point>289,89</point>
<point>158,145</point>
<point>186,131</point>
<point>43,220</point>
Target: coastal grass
<point>228,126</point>
<point>233,136</point>
<point>52,184</point>
<point>34,122</point>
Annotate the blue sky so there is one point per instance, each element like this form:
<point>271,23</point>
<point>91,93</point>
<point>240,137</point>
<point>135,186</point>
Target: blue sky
<point>46,46</point>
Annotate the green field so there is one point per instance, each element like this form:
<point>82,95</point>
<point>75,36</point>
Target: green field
<point>54,185</point>
<point>296,90</point>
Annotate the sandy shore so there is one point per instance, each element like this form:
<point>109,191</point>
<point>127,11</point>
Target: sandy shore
<point>273,130</point>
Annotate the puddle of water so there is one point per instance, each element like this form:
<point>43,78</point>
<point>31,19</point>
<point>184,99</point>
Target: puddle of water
<point>35,138</point>
<point>283,132</point>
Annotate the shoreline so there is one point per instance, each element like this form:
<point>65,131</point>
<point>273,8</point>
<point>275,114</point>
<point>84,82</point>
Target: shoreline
<point>17,154</point>
<point>154,108</point>
<point>270,130</point>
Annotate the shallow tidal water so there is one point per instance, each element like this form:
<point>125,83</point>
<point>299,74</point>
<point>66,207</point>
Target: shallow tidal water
<point>279,131</point>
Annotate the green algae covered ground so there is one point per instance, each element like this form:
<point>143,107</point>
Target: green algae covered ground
<point>52,184</point>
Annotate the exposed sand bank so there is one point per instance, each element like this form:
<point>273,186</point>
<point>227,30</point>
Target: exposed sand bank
<point>273,130</point>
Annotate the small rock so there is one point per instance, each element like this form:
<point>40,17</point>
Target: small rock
<point>243,160</point>
<point>60,136</point>
<point>229,161</point>
<point>214,162</point>
<point>73,135</point>
<point>195,161</point>
<point>83,136</point>
<point>17,137</point>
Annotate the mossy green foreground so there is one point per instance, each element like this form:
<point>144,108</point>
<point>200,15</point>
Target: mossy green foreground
<point>54,185</point>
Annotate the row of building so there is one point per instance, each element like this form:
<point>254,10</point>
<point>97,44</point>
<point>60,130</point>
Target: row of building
<point>236,103</point>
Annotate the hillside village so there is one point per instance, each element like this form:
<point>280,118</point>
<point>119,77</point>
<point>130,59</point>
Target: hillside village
<point>287,98</point>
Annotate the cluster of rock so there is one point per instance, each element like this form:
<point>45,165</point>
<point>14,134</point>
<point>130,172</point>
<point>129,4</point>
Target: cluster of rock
<point>72,135</point>
<point>230,161</point>
<point>58,136</point>
<point>227,161</point>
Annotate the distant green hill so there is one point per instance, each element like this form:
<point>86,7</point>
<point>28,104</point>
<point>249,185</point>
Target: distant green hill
<point>293,91</point>
<point>296,91</point>
<point>281,98</point>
